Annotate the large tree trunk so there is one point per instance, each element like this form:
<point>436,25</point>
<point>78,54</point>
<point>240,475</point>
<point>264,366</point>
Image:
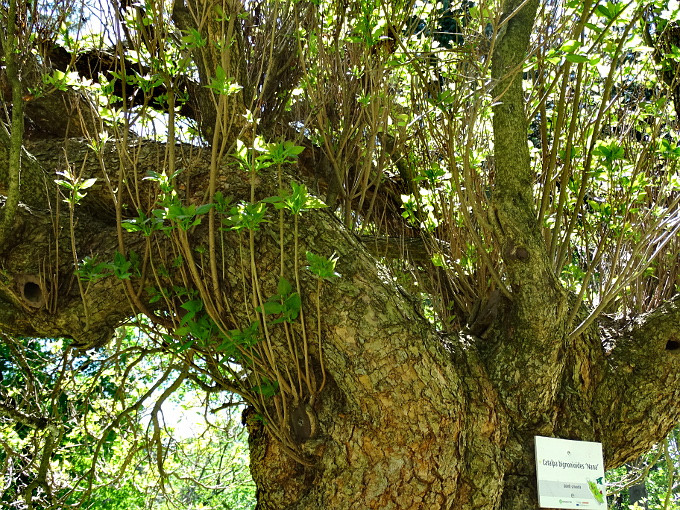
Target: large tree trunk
<point>434,431</point>
<point>408,417</point>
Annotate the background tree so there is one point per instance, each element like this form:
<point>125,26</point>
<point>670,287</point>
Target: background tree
<point>650,482</point>
<point>494,257</point>
<point>82,431</point>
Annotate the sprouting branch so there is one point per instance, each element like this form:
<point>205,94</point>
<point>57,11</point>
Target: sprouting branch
<point>11,48</point>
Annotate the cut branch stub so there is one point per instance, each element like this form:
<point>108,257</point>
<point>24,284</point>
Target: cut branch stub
<point>31,290</point>
<point>673,345</point>
<point>303,423</point>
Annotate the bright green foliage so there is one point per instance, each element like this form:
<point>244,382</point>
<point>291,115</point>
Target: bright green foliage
<point>122,267</point>
<point>236,342</point>
<point>195,326</point>
<point>104,462</point>
<point>297,201</point>
<point>144,224</point>
<point>268,388</point>
<point>91,270</point>
<point>184,216</point>
<point>246,216</point>
<point>370,26</point>
<point>222,84</point>
<point>74,186</point>
<point>285,304</point>
<point>321,266</point>
<point>261,155</point>
<point>60,80</point>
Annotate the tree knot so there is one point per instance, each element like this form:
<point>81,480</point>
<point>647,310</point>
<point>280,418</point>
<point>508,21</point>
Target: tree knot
<point>514,252</point>
<point>30,289</point>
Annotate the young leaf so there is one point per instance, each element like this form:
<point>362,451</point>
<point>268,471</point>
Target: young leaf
<point>321,266</point>
<point>284,287</point>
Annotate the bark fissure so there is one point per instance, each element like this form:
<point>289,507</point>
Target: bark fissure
<point>459,429</point>
<point>409,417</point>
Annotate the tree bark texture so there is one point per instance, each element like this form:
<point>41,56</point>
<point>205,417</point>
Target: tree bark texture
<point>409,418</point>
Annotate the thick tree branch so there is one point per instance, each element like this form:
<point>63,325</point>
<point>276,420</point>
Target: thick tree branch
<point>89,64</point>
<point>523,248</point>
<point>532,349</point>
<point>637,403</point>
<point>10,412</point>
<point>37,288</point>
<point>130,165</point>
<point>49,111</point>
<point>412,248</point>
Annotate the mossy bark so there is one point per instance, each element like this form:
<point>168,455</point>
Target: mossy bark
<point>409,417</point>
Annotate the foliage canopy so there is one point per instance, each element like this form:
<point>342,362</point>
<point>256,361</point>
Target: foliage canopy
<point>207,170</point>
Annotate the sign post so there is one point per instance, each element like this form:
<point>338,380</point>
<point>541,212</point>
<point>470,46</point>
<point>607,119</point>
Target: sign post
<point>570,474</point>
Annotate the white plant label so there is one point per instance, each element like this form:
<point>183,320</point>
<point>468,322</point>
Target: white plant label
<point>570,474</point>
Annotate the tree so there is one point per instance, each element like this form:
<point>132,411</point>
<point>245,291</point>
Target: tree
<point>651,481</point>
<point>494,258</point>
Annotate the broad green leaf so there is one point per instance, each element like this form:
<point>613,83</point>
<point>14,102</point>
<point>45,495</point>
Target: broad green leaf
<point>576,58</point>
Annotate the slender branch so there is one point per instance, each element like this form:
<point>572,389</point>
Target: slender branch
<point>14,414</point>
<point>11,47</point>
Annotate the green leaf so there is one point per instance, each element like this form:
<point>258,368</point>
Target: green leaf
<point>438,260</point>
<point>576,58</point>
<point>90,270</point>
<point>155,295</point>
<point>87,183</point>
<point>321,266</point>
<point>293,304</point>
<point>268,388</point>
<point>603,11</point>
<point>65,184</point>
<point>192,38</point>
<point>571,46</point>
<point>203,209</point>
<point>270,308</point>
<point>237,338</point>
<point>293,149</point>
<point>246,216</point>
<point>121,266</point>
<point>194,306</point>
<point>610,150</point>
<point>284,287</point>
<point>186,345</point>
<point>284,152</point>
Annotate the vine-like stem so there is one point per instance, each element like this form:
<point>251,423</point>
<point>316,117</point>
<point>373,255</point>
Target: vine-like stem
<point>292,346</point>
<point>175,385</point>
<point>318,332</point>
<point>72,201</point>
<point>605,104</point>
<point>305,348</point>
<point>670,473</point>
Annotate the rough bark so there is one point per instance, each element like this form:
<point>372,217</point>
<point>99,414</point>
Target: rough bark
<point>409,417</point>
